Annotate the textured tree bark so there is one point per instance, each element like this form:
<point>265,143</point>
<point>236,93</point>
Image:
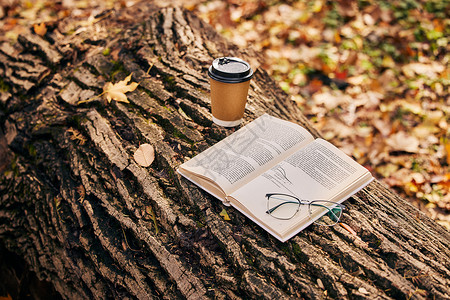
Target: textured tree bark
<point>89,219</point>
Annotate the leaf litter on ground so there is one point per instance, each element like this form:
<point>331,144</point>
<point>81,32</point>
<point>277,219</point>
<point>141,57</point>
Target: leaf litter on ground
<point>393,117</point>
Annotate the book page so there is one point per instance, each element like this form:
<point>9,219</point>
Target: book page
<point>250,151</point>
<point>319,171</point>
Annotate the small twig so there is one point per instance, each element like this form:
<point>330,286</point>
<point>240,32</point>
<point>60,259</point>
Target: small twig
<point>91,99</point>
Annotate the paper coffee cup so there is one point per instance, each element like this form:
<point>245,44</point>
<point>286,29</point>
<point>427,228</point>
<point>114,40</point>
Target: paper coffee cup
<point>230,80</point>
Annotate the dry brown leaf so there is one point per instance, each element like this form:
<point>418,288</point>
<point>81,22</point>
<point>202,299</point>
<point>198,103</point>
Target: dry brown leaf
<point>117,90</point>
<point>440,178</point>
<point>331,99</point>
<point>40,29</point>
<point>387,169</point>
<point>382,126</point>
<point>320,284</point>
<point>429,70</point>
<point>400,141</point>
<point>418,178</point>
<point>338,129</point>
<point>144,155</point>
<point>388,79</point>
<point>363,291</point>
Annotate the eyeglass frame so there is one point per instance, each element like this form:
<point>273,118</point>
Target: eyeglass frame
<point>303,202</point>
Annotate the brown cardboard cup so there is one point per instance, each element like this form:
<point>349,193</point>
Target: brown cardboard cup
<point>230,81</point>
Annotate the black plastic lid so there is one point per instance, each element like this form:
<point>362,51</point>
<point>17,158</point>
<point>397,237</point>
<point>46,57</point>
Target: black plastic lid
<point>230,70</point>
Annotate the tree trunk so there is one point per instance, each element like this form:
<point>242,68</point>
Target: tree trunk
<point>89,219</point>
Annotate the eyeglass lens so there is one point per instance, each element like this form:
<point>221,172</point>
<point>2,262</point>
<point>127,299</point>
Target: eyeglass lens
<point>282,207</point>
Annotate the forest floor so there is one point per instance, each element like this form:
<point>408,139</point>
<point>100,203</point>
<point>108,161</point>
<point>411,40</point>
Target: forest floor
<point>372,75</point>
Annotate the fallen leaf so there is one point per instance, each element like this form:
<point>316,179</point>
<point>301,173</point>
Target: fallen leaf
<point>317,6</point>
<point>117,90</point>
<point>387,169</point>
<point>428,70</point>
<point>40,29</point>
<point>399,178</point>
<point>418,178</point>
<point>320,284</point>
<point>388,62</point>
<point>342,75</point>
<point>331,100</point>
<point>347,8</point>
<point>224,214</point>
<point>382,126</point>
<point>447,149</point>
<point>440,178</point>
<point>368,19</point>
<point>144,155</point>
<point>363,291</point>
<point>7,297</point>
<point>402,142</point>
<point>338,129</point>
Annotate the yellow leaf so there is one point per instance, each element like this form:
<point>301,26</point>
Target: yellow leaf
<point>117,90</point>
<point>317,6</point>
<point>144,155</point>
<point>224,214</point>
<point>337,37</point>
<point>388,62</point>
<point>40,29</point>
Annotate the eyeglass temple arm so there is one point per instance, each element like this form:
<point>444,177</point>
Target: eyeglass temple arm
<point>330,211</point>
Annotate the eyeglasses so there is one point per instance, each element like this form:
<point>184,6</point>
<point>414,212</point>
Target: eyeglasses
<point>285,207</point>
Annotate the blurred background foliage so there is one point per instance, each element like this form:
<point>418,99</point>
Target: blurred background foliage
<point>373,76</point>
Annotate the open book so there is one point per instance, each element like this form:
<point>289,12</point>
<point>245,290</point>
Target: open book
<point>270,155</point>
